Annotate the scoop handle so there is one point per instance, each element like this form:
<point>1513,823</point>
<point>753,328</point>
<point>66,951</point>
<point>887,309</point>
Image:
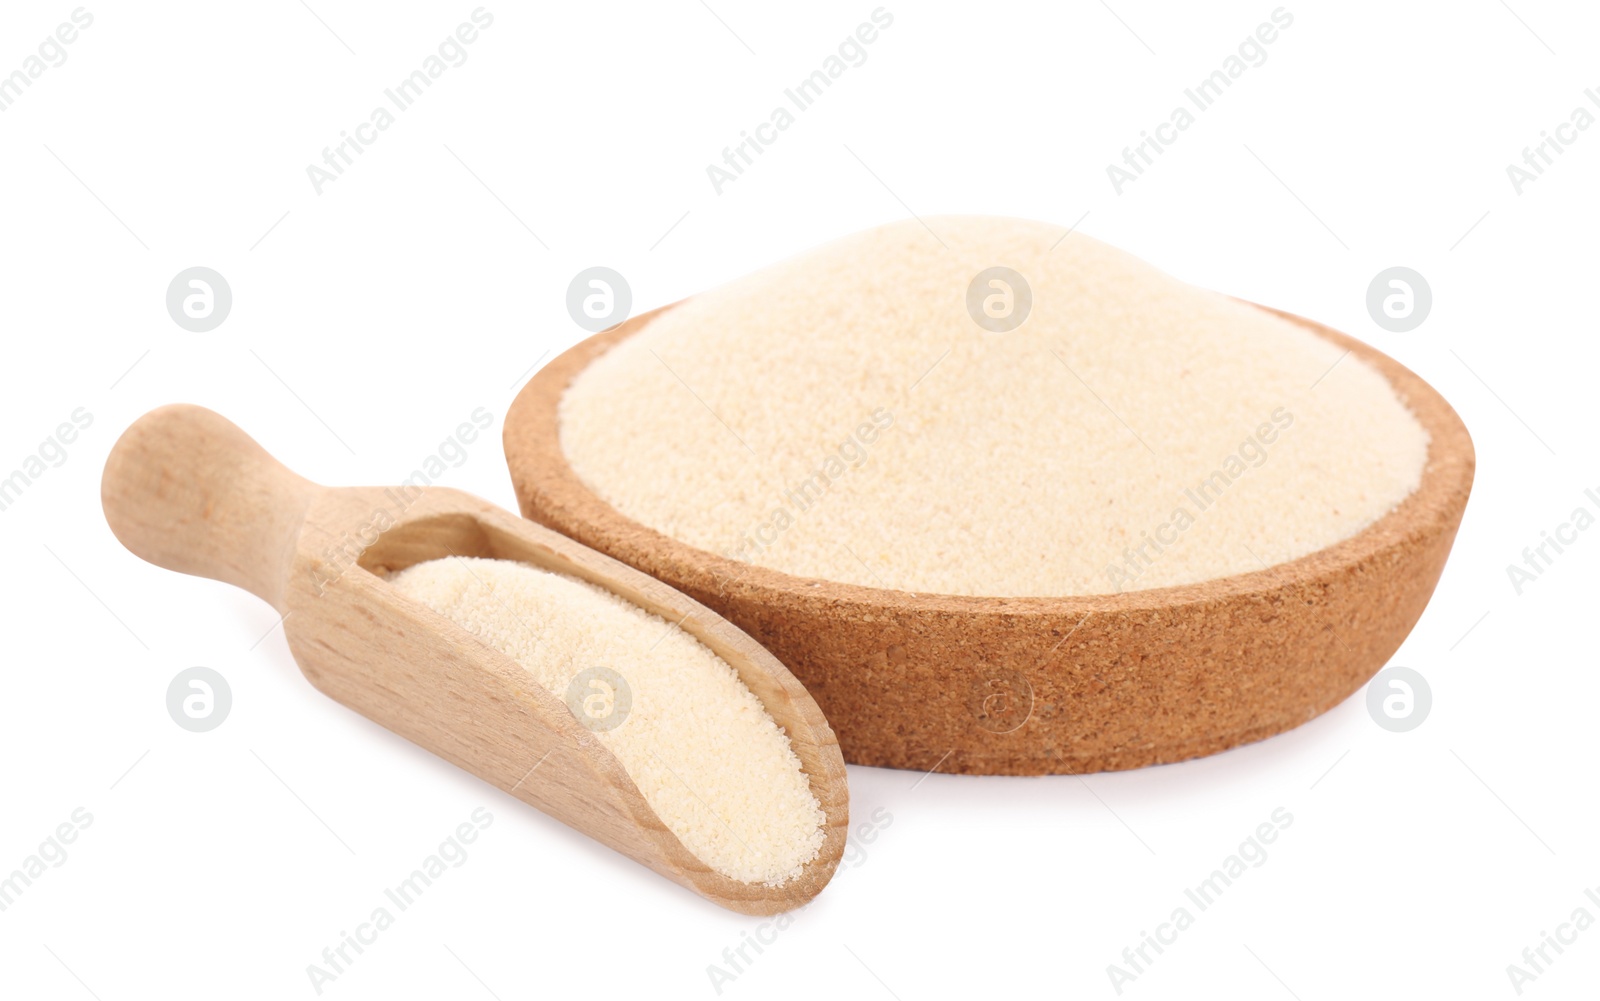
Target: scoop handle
<point>186,489</point>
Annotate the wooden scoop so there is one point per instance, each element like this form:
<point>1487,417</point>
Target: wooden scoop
<point>187,490</point>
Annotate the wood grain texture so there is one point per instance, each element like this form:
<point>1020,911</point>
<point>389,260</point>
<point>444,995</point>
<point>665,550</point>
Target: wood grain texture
<point>185,489</point>
<point>1028,686</point>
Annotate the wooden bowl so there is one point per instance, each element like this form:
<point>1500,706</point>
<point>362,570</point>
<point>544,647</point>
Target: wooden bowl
<point>1031,686</point>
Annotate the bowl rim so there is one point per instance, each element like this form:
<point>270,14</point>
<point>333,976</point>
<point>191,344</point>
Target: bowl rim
<point>539,468</point>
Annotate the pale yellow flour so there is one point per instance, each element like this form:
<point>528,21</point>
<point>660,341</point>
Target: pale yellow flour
<point>1132,432</point>
<point>702,749</point>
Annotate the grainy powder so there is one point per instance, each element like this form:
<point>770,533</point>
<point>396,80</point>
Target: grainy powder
<point>702,749</point>
<point>1132,432</point>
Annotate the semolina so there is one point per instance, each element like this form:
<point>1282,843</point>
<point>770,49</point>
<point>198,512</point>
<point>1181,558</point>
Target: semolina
<point>700,746</point>
<point>879,412</point>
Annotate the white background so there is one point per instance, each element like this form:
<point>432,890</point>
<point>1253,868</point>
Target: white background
<point>373,318</point>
